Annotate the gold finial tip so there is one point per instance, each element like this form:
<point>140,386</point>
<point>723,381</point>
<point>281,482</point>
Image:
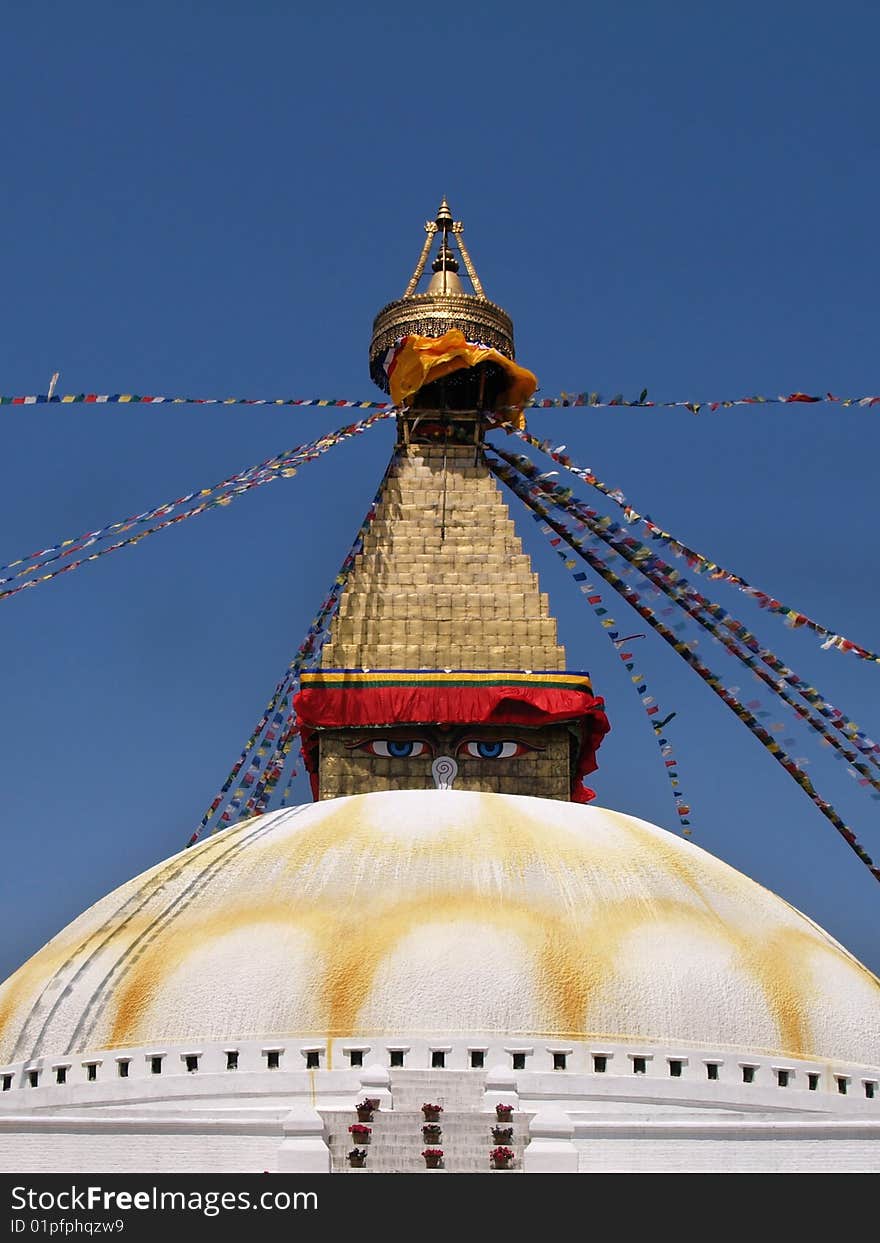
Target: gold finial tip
<point>444,305</point>
<point>444,215</point>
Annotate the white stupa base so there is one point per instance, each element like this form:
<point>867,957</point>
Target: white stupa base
<point>652,1108</point>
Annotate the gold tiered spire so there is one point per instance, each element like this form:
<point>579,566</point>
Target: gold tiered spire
<point>442,582</point>
<point>446,227</point>
<point>442,661</point>
<point>444,305</point>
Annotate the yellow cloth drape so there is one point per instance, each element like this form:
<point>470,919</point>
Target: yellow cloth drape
<point>420,360</point>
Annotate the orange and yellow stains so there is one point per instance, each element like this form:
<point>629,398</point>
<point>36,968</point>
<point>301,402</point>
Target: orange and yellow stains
<point>648,844</point>
<point>775,958</point>
<point>101,933</point>
<point>329,920</point>
<point>778,961</point>
<point>142,983</point>
<point>23,989</point>
<point>606,963</point>
<point>479,840</point>
<point>576,949</point>
<point>576,962</point>
<point>348,982</point>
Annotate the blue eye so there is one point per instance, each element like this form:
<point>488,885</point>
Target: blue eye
<point>396,749</point>
<point>484,750</point>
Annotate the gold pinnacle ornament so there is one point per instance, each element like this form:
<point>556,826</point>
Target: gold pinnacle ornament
<point>445,305</point>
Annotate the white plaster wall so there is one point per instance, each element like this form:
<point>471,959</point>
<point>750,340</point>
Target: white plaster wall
<point>109,1152</point>
<point>211,1144</point>
<point>578,1083</point>
<point>105,1145</point>
<point>734,1154</point>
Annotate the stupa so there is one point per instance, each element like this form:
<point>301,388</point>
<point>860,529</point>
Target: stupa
<point>452,921</point>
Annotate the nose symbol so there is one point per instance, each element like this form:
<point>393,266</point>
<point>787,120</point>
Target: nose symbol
<point>444,771</point>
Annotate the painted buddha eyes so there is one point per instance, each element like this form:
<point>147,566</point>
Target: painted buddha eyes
<point>493,750</point>
<point>395,749</point>
<point>479,749</point>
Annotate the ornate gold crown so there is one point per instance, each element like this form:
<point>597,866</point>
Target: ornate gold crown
<point>444,305</point>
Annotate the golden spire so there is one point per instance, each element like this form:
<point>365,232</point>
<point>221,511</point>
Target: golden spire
<point>444,224</point>
<point>445,304</point>
<point>445,268</point>
<point>444,215</point>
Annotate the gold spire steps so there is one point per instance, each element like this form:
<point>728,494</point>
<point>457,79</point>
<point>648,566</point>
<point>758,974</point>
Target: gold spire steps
<point>442,588</point>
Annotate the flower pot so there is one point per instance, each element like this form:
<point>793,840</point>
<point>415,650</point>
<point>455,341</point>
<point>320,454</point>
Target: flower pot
<point>431,1132</point>
<point>366,1108</point>
<point>433,1163</point>
<point>502,1134</point>
<point>503,1115</point>
<point>501,1158</point>
<point>358,1163</point>
<point>431,1115</point>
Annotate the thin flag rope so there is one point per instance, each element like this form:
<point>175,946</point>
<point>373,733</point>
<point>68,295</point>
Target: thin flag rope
<point>592,400</point>
<point>277,723</point>
<point>640,684</point>
<point>279,461</point>
<point>596,401</point>
<point>308,655</point>
<point>696,561</point>
<point>224,499</point>
<point>696,606</point>
<point>282,466</point>
<point>531,498</point>
<point>136,399</point>
<point>675,585</point>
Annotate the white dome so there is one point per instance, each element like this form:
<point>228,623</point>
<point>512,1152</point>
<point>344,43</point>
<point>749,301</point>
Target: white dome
<point>416,911</point>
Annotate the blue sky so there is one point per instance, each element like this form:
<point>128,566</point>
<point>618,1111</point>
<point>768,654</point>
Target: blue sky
<point>216,199</point>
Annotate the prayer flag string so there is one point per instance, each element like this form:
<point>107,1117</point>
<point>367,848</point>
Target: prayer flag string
<point>278,724</point>
<point>609,625</point>
<point>117,399</point>
<point>592,400</point>
<point>530,495</point>
<point>677,588</point>
<point>221,494</point>
<point>696,561</point>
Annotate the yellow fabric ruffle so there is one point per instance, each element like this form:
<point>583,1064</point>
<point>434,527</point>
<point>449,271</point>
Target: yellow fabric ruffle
<point>420,360</point>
